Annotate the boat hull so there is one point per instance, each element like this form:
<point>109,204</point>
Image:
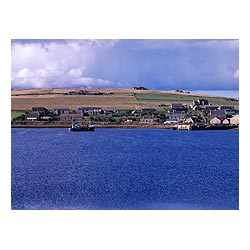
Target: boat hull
<point>82,129</point>
<point>214,127</point>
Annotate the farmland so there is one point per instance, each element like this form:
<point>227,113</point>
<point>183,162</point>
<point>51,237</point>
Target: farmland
<point>25,99</point>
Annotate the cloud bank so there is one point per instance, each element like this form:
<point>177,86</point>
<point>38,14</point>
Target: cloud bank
<point>155,64</point>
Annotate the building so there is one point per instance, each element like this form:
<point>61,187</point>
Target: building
<point>203,101</point>
<point>71,117</point>
<point>225,122</point>
<point>129,119</point>
<point>38,109</point>
<point>206,107</point>
<point>89,110</point>
<point>58,111</point>
<point>174,117</point>
<point>234,120</point>
<point>104,118</point>
<point>111,111</point>
<point>148,110</point>
<point>215,121</point>
<point>189,120</point>
<point>32,116</point>
<point>177,107</point>
<point>217,113</point>
<point>148,119</point>
<point>46,118</point>
<point>200,102</point>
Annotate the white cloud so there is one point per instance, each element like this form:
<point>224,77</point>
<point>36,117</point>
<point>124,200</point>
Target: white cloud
<point>76,72</point>
<point>56,63</point>
<point>157,64</point>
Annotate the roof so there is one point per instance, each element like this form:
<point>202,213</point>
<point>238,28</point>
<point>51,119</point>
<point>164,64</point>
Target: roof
<point>218,112</point>
<point>32,115</point>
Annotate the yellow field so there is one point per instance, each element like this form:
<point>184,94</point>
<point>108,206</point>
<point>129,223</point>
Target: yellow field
<point>121,99</point>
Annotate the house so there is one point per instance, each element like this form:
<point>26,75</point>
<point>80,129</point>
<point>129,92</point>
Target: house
<point>148,119</point>
<point>148,110</point>
<point>189,120</point>
<point>200,102</point>
<point>178,107</point>
<point>111,111</point>
<point>104,118</point>
<point>174,117</point>
<point>225,122</point>
<point>32,116</point>
<point>71,117</point>
<point>217,113</point>
<point>206,107</point>
<point>234,120</point>
<point>58,111</point>
<point>203,101</point>
<point>46,118</point>
<point>89,110</point>
<point>38,109</point>
<point>129,119</point>
<point>215,121</point>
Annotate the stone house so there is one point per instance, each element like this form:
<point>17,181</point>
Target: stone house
<point>71,117</point>
<point>58,111</point>
<point>148,119</point>
<point>89,110</point>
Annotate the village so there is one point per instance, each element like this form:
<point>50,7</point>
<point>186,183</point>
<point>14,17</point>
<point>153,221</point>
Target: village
<point>200,112</point>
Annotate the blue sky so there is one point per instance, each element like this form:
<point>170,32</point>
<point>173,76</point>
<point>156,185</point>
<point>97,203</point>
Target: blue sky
<point>153,63</point>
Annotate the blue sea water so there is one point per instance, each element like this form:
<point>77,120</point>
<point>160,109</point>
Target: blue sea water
<point>125,169</point>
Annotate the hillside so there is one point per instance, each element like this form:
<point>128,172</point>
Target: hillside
<point>25,99</point>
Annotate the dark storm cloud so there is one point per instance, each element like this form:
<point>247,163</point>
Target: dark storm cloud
<point>156,64</point>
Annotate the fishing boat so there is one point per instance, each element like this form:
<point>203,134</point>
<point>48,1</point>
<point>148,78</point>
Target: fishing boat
<point>77,128</point>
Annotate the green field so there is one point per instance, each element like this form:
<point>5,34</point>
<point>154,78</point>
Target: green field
<point>166,98</point>
<point>15,114</point>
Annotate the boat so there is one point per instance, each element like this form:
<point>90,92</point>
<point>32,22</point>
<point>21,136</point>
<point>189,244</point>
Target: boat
<point>205,127</point>
<point>77,128</point>
<point>213,127</point>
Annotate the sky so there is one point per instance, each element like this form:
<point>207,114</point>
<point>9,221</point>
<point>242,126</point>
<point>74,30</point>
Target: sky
<point>207,64</point>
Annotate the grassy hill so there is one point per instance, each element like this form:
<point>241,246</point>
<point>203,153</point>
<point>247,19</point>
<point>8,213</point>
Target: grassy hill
<point>25,99</point>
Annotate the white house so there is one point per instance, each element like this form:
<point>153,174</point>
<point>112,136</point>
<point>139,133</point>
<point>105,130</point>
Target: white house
<point>225,122</point>
<point>189,120</point>
<point>215,121</point>
<point>234,120</point>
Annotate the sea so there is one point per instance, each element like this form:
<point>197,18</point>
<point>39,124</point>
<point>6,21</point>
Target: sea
<point>124,169</point>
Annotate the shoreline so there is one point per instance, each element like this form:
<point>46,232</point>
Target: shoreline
<point>158,126</point>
